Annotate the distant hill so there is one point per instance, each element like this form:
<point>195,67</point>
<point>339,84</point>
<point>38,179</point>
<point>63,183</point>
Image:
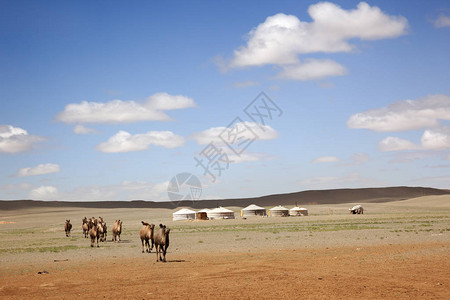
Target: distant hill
<point>336,196</point>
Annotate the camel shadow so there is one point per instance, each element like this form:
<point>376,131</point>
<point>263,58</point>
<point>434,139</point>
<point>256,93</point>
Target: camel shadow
<point>176,261</point>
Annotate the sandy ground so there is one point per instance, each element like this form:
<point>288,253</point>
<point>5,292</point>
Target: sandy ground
<point>395,250</point>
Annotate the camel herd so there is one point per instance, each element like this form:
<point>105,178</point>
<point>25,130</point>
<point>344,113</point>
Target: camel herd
<point>96,230</point>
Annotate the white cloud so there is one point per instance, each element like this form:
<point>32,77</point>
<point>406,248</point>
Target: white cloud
<point>126,142</point>
<point>118,111</point>
<point>312,69</point>
<point>44,192</point>
<point>442,21</point>
<point>250,130</point>
<point>281,38</point>
<point>404,115</point>
<point>432,139</point>
<point>325,159</point>
<point>436,139</point>
<point>80,129</point>
<point>240,132</point>
<point>164,101</point>
<point>38,170</point>
<point>15,139</point>
<point>395,144</point>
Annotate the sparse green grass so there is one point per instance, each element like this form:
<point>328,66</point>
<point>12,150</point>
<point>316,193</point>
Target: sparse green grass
<point>54,249</point>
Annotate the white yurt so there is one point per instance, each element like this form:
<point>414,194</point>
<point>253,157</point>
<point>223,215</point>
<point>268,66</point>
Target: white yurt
<point>253,210</point>
<point>278,211</point>
<point>220,213</point>
<point>203,214</point>
<point>298,211</point>
<point>183,214</point>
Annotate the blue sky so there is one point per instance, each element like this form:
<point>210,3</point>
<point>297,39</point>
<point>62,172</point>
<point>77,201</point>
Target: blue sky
<point>109,101</point>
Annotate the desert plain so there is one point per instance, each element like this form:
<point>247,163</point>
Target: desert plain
<point>396,250</point>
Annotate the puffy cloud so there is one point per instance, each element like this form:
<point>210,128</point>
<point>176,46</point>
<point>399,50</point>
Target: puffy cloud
<point>312,69</point>
<point>281,38</point>
<point>396,144</point>
<point>126,142</point>
<point>80,129</point>
<point>442,21</point>
<point>432,139</point>
<point>436,139</point>
<point>404,115</point>
<point>239,132</point>
<point>247,130</point>
<point>15,139</point>
<point>44,192</point>
<point>325,159</point>
<point>164,101</point>
<point>118,111</point>
<point>38,170</point>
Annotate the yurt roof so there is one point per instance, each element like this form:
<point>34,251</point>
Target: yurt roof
<point>279,207</point>
<point>204,210</point>
<point>355,207</point>
<point>184,211</point>
<point>298,208</point>
<point>253,207</point>
<point>221,209</point>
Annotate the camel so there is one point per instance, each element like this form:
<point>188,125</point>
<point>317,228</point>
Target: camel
<point>357,209</point>
<point>93,233</point>
<point>116,231</point>
<point>91,222</point>
<point>85,227</point>
<point>101,231</point>
<point>146,234</point>
<point>161,240</point>
<point>67,227</point>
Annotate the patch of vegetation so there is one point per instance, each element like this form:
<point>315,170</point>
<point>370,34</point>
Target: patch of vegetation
<point>54,249</point>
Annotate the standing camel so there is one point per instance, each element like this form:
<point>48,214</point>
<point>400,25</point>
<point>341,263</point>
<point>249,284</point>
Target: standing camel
<point>116,231</point>
<point>146,234</point>
<point>67,227</point>
<point>93,233</point>
<point>161,239</point>
<point>85,227</point>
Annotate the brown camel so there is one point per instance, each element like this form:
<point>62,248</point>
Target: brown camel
<point>93,233</point>
<point>85,227</point>
<point>67,227</point>
<point>161,240</point>
<point>116,231</point>
<point>146,234</point>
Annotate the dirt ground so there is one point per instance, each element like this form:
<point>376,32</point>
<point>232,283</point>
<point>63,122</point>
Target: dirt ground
<point>393,271</point>
<point>395,251</point>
